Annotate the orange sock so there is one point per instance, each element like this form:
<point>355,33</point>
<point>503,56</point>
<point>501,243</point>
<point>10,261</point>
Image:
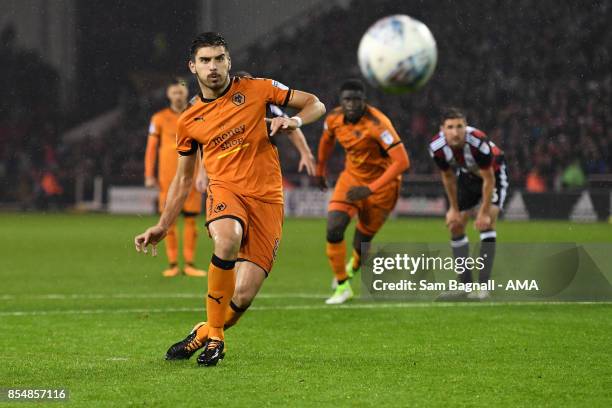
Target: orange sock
<point>356,260</point>
<point>232,315</point>
<point>221,282</point>
<point>336,253</point>
<point>171,245</point>
<point>190,239</point>
<point>202,333</point>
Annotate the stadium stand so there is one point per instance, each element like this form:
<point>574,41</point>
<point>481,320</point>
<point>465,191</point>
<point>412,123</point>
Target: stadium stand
<point>548,109</point>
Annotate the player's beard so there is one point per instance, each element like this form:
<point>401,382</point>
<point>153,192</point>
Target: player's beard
<point>213,86</point>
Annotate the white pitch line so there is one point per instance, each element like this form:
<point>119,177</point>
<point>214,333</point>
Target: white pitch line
<point>59,296</point>
<point>354,306</point>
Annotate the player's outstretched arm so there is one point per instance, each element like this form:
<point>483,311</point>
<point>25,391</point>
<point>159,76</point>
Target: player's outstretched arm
<point>151,160</point>
<point>399,164</point>
<point>483,218</point>
<point>310,109</point>
<point>177,194</point>
<point>449,180</point>
<point>307,160</point>
<point>326,147</point>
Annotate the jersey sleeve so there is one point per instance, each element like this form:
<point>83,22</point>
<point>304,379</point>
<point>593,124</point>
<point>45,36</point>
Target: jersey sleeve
<point>328,132</point>
<point>275,92</point>
<point>386,135</point>
<point>185,145</point>
<point>275,112</point>
<point>439,159</point>
<point>155,127</point>
<point>483,155</point>
<point>480,148</point>
<point>326,146</point>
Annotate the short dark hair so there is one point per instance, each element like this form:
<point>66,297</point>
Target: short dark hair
<point>352,85</point>
<point>177,81</point>
<point>207,39</point>
<point>451,113</point>
<point>243,74</point>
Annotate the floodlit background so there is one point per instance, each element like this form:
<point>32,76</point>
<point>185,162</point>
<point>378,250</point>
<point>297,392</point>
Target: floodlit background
<point>80,80</point>
<point>80,310</point>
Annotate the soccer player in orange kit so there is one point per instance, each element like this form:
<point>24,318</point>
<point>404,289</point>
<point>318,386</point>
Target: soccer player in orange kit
<point>161,150</point>
<point>297,138</point>
<point>369,185</point>
<point>245,200</point>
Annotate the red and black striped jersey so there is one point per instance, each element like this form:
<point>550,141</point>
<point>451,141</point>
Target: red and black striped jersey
<point>477,153</point>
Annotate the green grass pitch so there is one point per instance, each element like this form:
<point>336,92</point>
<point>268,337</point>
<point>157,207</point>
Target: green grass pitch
<point>80,310</point>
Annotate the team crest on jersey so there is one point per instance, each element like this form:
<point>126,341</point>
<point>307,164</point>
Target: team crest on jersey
<point>220,207</point>
<point>238,98</point>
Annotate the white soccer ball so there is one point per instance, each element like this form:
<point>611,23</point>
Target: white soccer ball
<point>397,54</point>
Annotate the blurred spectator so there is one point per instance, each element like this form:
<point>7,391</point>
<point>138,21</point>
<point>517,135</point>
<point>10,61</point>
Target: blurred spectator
<point>573,177</point>
<point>535,183</point>
<point>535,76</point>
<point>50,191</point>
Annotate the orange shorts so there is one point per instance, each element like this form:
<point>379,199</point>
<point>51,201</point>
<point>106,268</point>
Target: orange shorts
<point>192,206</point>
<point>371,212</point>
<point>262,223</point>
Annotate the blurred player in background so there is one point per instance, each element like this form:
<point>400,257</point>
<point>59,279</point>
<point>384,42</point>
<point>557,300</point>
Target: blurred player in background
<point>297,138</point>
<point>161,150</point>
<point>369,185</point>
<point>473,170</point>
<point>245,198</point>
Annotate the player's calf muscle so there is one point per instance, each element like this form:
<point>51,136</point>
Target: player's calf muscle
<point>243,297</point>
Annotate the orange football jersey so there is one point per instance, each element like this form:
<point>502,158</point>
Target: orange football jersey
<point>163,126</point>
<point>366,142</point>
<point>237,152</point>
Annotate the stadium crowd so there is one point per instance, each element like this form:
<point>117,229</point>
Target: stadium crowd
<point>534,76</point>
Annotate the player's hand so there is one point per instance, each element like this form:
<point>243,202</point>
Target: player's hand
<point>307,162</point>
<point>321,183</point>
<point>151,236</point>
<point>358,193</point>
<point>150,182</point>
<point>482,222</point>
<point>281,124</point>
<point>453,217</point>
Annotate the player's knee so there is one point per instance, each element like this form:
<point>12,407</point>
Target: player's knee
<point>227,247</point>
<point>337,222</point>
<point>335,234</point>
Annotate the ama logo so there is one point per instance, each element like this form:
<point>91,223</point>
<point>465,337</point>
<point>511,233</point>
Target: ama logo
<point>522,285</point>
